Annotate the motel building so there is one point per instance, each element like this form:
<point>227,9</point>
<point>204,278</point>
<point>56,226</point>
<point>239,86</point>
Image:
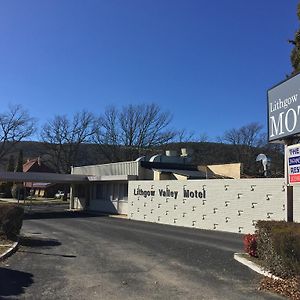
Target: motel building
<point>108,186</point>
<point>167,189</point>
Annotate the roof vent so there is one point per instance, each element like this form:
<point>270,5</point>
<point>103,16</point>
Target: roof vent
<point>141,158</point>
<point>184,152</point>
<point>171,153</point>
<point>156,158</point>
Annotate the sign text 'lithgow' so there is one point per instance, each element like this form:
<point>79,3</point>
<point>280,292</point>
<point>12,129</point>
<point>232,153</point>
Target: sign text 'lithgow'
<point>284,109</point>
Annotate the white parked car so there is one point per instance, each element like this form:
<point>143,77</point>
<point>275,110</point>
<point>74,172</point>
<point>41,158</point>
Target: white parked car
<point>59,195</point>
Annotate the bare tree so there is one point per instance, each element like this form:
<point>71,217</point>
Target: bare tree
<point>137,127</point>
<point>245,139</point>
<point>183,136</point>
<point>107,136</point>
<point>63,138</point>
<point>248,135</point>
<point>203,137</point>
<point>15,126</point>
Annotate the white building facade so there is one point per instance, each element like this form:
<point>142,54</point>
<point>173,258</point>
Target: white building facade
<point>177,194</point>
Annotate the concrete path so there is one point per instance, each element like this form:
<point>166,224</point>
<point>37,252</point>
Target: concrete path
<point>67,255</point>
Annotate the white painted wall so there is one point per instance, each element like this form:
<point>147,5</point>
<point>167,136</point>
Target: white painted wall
<point>79,203</point>
<point>226,205</point>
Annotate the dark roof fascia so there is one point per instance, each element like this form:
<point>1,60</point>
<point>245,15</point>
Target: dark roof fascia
<point>191,174</point>
<point>160,165</point>
<point>42,177</point>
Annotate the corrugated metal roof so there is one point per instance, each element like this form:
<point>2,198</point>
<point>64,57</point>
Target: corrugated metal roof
<point>112,169</point>
<point>112,178</point>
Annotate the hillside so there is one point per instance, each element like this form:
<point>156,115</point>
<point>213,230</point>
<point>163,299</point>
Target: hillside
<point>202,154</point>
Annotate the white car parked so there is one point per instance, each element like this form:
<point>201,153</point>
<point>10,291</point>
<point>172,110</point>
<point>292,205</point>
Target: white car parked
<point>59,195</point>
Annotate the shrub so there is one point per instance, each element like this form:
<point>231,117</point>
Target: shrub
<point>18,191</point>
<point>278,246</point>
<point>250,244</point>
<point>11,219</point>
<point>5,189</point>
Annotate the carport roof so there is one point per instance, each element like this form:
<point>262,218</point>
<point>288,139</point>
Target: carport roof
<point>42,177</point>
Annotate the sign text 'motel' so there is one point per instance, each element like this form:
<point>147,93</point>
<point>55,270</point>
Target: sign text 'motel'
<point>186,193</point>
<point>284,109</point>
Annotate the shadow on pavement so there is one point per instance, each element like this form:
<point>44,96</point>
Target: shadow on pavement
<point>35,242</point>
<point>49,254</point>
<point>12,282</point>
<point>59,215</point>
<point>31,242</point>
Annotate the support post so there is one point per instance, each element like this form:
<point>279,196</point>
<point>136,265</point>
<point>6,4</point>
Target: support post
<point>290,206</point>
<point>289,190</point>
<point>72,191</point>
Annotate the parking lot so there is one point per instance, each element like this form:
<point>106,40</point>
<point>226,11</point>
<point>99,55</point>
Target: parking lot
<point>69,255</point>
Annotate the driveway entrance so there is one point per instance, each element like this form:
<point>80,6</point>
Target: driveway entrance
<point>75,255</point>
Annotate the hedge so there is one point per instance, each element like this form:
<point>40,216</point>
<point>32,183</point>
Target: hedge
<point>11,219</point>
<point>278,247</point>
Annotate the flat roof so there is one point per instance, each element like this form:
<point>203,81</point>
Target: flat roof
<point>42,177</point>
<point>60,178</point>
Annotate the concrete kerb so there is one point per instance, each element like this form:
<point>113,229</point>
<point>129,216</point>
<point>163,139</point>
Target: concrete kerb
<point>29,202</point>
<point>98,213</point>
<point>9,251</point>
<point>119,216</point>
<point>253,266</point>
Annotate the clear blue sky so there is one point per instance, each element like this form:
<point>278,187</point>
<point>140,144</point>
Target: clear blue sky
<point>209,63</point>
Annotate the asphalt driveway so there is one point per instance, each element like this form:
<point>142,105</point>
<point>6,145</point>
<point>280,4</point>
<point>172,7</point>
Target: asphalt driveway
<point>67,255</point>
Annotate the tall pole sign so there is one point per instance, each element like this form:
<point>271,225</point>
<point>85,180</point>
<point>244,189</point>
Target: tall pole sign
<point>284,127</point>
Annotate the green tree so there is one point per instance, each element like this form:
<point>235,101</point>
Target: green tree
<point>11,164</point>
<point>5,187</point>
<point>19,166</point>
<point>17,190</point>
<point>295,54</point>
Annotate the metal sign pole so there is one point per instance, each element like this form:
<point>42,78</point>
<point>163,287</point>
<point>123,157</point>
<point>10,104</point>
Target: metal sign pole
<point>283,107</point>
<point>289,190</point>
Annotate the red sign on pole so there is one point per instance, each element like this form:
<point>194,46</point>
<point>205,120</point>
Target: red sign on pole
<point>293,162</point>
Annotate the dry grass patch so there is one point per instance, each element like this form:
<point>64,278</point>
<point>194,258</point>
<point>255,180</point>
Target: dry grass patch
<point>289,288</point>
<point>5,244</point>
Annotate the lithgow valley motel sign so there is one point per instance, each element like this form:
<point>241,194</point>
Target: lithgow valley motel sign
<point>284,122</point>
<point>284,109</point>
